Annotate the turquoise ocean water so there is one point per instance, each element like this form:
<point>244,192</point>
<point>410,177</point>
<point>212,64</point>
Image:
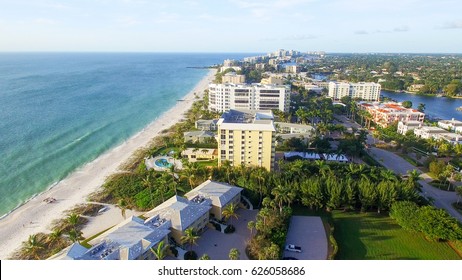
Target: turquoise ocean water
<point>59,111</point>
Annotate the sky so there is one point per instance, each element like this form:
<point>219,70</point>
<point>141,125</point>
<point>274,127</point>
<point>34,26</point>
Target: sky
<point>231,25</point>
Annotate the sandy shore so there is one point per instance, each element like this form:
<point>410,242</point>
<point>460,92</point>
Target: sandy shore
<point>36,216</point>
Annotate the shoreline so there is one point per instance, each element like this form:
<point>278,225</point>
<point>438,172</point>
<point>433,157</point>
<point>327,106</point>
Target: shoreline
<point>34,215</point>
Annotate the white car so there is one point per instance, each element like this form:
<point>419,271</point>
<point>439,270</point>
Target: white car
<point>293,248</point>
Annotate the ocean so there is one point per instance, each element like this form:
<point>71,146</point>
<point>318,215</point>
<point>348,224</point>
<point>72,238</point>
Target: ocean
<point>59,111</point>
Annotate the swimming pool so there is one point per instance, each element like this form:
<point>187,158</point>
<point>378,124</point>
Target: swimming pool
<point>162,163</point>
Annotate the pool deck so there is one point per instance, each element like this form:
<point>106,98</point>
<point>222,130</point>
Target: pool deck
<point>151,163</point>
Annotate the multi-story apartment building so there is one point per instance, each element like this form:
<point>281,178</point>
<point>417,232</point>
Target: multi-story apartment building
<point>384,114</point>
<point>133,238</point>
<point>362,90</point>
<point>233,78</point>
<point>247,137</point>
<point>451,125</point>
<point>405,126</point>
<point>223,97</point>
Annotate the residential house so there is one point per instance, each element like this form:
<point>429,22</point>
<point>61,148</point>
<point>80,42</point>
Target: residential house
<point>182,214</point>
<point>197,154</point>
<point>198,136</point>
<point>218,195</point>
<point>210,125</point>
<point>132,239</point>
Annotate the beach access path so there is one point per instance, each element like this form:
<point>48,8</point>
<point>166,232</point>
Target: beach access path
<point>36,215</point>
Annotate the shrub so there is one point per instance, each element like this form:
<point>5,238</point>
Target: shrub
<point>230,229</point>
<point>406,215</point>
<point>190,255</point>
<point>174,251</point>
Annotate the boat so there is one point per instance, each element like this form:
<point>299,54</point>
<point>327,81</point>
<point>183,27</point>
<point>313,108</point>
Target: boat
<point>459,108</point>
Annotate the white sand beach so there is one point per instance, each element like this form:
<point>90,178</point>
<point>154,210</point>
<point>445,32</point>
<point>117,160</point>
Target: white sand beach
<point>36,215</point>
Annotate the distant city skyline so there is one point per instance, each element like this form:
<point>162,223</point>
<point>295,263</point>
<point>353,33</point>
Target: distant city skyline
<point>408,26</point>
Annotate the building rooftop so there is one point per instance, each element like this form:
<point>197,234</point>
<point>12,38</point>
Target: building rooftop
<point>247,120</point>
<point>219,193</point>
<point>432,129</point>
<point>72,252</point>
<point>294,125</point>
<point>412,123</point>
<point>335,157</point>
<point>452,122</point>
<point>304,155</point>
<point>125,241</point>
<point>196,151</point>
<point>206,121</point>
<point>389,107</point>
<point>180,211</point>
<point>201,133</point>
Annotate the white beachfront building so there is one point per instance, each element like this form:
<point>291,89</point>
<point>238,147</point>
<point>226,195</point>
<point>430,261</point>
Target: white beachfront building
<point>451,125</point>
<point>223,97</point>
<point>405,126</point>
<point>427,132</point>
<point>362,90</point>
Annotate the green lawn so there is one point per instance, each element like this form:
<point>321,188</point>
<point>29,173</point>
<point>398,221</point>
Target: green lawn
<point>207,163</point>
<point>371,236</point>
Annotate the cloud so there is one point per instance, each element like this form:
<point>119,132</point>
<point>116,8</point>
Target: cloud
<point>379,31</point>
<point>401,29</point>
<point>45,21</point>
<point>451,25</point>
<point>361,32</point>
<point>265,9</point>
<point>128,21</point>
<point>301,37</point>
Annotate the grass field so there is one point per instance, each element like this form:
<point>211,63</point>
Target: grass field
<point>372,236</point>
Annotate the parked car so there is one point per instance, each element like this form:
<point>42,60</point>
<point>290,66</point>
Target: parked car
<point>293,248</point>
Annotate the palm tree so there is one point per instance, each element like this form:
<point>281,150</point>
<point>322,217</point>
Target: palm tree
<point>458,150</point>
<point>388,175</point>
<point>123,207</point>
<point>55,236</point>
<point>459,193</point>
<point>75,235</point>
<point>160,252</point>
<point>234,254</point>
<point>190,236</point>
<point>73,219</point>
<point>148,184</point>
<point>283,194</point>
<point>32,246</point>
<point>413,177</point>
<point>251,226</point>
<point>229,212</point>
<point>205,257</point>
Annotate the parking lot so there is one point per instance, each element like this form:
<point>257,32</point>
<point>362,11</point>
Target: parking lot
<point>217,244</point>
<point>308,233</point>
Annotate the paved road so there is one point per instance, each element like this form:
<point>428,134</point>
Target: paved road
<point>442,199</point>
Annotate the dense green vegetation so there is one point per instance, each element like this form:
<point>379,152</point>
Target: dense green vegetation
<point>396,72</point>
